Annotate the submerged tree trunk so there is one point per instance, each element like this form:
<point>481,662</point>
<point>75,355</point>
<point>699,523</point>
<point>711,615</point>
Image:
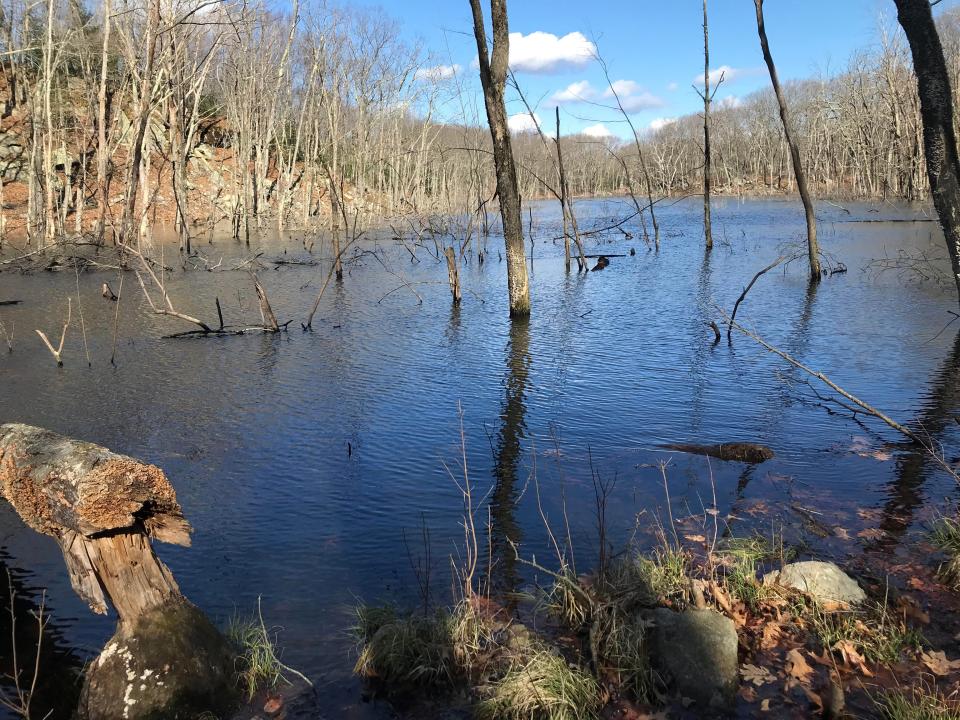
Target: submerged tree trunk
<point>936,110</point>
<point>812,248</point>
<point>493,76</point>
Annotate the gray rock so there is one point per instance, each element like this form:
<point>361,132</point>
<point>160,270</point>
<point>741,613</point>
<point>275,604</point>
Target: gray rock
<point>821,580</point>
<point>173,664</point>
<point>697,649</point>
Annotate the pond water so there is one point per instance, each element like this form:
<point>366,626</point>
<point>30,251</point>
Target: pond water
<point>307,462</point>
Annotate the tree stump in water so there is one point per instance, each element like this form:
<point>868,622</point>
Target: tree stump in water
<point>166,659</point>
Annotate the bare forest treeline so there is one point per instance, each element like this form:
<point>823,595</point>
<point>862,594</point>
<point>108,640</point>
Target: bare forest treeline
<point>121,116</point>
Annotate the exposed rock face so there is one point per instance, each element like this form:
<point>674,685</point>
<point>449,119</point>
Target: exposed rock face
<point>823,581</point>
<point>172,665</point>
<point>697,649</point>
<point>735,451</point>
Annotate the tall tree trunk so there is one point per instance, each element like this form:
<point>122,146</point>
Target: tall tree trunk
<point>144,106</point>
<point>936,111</point>
<point>102,150</point>
<point>707,171</point>
<point>812,248</point>
<point>493,76</point>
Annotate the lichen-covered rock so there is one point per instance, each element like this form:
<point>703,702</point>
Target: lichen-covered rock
<point>823,581</point>
<point>172,665</point>
<point>697,649</point>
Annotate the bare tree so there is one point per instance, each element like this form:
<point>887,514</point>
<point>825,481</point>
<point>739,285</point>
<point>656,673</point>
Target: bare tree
<point>707,98</point>
<point>812,247</point>
<point>936,109</point>
<point>493,77</point>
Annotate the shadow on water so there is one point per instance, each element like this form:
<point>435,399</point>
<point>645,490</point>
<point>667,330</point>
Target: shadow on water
<point>914,467</point>
<point>507,454</point>
<point>699,364</point>
<point>58,679</point>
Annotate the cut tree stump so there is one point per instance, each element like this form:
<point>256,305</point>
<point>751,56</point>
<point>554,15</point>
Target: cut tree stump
<point>102,509</point>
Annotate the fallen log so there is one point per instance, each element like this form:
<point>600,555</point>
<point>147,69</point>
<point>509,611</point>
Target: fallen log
<point>103,509</point>
<point>736,451</point>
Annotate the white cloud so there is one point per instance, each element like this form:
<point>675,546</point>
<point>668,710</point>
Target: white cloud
<point>731,101</point>
<point>622,87</point>
<point>541,52</point>
<point>729,74</point>
<point>638,103</point>
<point>523,123</point>
<point>632,96</point>
<point>661,122</point>
<point>672,87</point>
<point>597,131</point>
<point>437,72</point>
<point>575,92</point>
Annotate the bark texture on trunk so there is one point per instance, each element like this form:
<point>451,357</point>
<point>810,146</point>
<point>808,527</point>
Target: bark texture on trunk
<point>936,111</point>
<point>493,77</point>
<point>166,659</point>
<point>101,508</point>
<point>813,249</point>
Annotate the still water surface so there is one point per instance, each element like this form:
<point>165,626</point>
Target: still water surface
<point>303,459</point>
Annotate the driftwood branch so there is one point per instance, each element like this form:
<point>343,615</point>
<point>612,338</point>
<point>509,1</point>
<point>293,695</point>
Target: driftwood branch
<point>868,409</point>
<point>768,268</point>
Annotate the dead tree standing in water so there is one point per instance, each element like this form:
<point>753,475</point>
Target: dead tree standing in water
<point>707,172</point>
<point>812,247</point>
<point>936,110</point>
<point>493,77</point>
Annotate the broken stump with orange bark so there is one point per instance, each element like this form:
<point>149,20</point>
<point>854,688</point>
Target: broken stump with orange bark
<point>166,659</point>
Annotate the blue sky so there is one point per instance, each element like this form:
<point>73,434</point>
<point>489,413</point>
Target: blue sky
<point>655,46</point>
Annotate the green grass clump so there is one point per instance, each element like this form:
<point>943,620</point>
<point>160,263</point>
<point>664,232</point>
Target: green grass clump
<point>371,618</point>
<point>567,601</point>
<point>626,656</point>
<point>542,687</point>
<point>406,651</point>
<point>647,580</point>
<point>744,558</point>
<point>873,632</point>
<point>917,703</point>
<point>946,536</point>
<point>258,666</point>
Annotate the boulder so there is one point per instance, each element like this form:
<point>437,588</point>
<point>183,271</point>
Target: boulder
<point>823,581</point>
<point>172,664</point>
<point>697,650</point>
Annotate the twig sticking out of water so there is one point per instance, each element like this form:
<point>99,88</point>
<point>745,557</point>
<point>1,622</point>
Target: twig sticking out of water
<point>20,700</point>
<point>771,266</point>
<point>63,335</point>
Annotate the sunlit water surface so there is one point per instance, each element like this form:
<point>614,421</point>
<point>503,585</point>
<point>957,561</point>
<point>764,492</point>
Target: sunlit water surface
<point>307,462</point>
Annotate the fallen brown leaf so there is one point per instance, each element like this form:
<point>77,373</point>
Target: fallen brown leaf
<point>756,674</point>
<point>695,538</point>
<point>871,533</point>
<point>798,667</point>
<point>813,697</point>
<point>936,661</point>
<point>771,636</point>
<point>852,657</point>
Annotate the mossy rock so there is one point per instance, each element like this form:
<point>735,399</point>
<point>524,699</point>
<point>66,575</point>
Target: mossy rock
<point>172,665</point>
